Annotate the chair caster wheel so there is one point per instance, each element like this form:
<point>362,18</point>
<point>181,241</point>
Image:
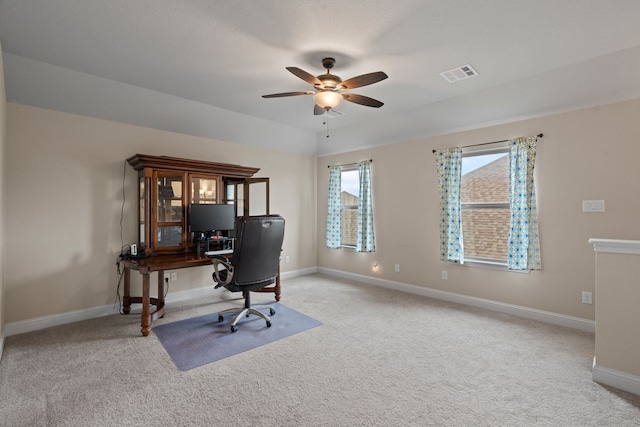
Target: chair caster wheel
<point>272,311</point>
<point>268,324</point>
<point>220,319</point>
<point>234,328</point>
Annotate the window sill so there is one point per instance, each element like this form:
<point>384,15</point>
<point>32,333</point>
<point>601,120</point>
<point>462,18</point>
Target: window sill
<point>490,264</point>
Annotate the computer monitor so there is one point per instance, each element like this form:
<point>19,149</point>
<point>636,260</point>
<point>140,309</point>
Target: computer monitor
<point>207,218</point>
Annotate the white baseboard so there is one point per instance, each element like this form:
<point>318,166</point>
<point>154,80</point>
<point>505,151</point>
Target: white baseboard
<point>44,322</point>
<point>617,379</point>
<point>516,310</point>
<point>297,273</point>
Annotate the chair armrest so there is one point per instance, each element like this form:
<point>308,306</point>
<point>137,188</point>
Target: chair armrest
<point>220,264</point>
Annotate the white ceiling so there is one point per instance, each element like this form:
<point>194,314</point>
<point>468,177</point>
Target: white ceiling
<point>200,66</point>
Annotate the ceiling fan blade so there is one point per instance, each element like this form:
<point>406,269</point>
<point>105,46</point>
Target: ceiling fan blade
<point>362,100</point>
<point>280,95</point>
<point>318,110</point>
<point>363,80</point>
<point>309,78</point>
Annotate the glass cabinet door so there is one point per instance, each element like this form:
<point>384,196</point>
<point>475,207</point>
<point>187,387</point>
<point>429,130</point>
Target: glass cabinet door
<point>234,195</point>
<point>250,195</point>
<point>258,196</point>
<point>204,189</point>
<point>170,210</point>
<point>142,214</point>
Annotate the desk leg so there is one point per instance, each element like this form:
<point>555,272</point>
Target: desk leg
<point>277,288</point>
<point>160,300</point>
<point>126,297</point>
<point>146,301</point>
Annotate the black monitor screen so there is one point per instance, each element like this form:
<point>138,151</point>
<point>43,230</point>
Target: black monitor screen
<point>205,218</point>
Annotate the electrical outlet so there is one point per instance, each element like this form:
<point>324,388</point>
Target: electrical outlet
<point>174,276</point>
<point>444,275</point>
<point>286,259</point>
<point>397,268</point>
<point>587,298</point>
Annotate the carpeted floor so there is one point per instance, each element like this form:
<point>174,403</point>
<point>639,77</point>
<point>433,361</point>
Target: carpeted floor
<point>381,358</point>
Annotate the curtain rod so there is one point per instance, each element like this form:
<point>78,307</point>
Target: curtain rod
<point>351,164</point>
<point>492,142</point>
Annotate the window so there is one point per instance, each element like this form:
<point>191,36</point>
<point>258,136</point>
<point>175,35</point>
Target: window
<point>350,208</point>
<point>349,197</point>
<point>484,202</point>
<point>497,210</point>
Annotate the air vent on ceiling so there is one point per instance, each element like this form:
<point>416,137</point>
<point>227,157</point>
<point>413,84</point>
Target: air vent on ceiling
<point>460,73</point>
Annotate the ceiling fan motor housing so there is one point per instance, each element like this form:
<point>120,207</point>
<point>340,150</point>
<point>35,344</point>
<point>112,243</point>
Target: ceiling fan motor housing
<point>329,81</point>
<point>328,63</point>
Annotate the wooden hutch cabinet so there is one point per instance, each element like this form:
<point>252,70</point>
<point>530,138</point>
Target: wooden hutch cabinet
<point>169,185</point>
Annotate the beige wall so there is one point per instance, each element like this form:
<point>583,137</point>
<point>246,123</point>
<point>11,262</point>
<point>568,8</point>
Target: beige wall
<point>3,108</point>
<point>586,154</point>
<point>64,192</point>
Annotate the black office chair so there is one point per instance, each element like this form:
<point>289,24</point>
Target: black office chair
<point>253,265</point>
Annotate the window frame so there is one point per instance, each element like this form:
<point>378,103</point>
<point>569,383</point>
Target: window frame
<point>475,261</point>
<point>343,169</point>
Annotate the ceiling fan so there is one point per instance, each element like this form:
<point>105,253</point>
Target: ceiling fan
<point>331,90</point>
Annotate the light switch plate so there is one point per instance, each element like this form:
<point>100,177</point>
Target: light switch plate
<point>593,206</point>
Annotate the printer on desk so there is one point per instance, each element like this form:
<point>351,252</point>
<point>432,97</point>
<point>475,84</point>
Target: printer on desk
<point>216,245</point>
<point>219,243</point>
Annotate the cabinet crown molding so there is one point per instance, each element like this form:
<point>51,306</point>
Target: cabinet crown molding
<point>141,161</point>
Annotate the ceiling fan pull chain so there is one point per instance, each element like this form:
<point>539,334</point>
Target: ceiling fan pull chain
<point>326,121</point>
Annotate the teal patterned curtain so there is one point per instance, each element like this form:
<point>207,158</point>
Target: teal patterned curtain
<point>365,238</point>
<point>334,217</point>
<point>449,167</point>
<point>524,243</point>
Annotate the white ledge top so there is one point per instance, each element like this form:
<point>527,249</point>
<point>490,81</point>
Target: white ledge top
<point>616,246</point>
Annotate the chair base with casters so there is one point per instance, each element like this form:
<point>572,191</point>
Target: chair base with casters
<point>246,311</point>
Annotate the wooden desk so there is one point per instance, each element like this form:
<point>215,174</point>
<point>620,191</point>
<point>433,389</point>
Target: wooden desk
<point>160,263</point>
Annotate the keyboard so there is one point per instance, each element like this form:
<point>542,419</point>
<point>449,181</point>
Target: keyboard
<point>221,252</point>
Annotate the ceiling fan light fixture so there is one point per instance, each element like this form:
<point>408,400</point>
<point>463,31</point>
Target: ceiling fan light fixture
<point>327,99</point>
